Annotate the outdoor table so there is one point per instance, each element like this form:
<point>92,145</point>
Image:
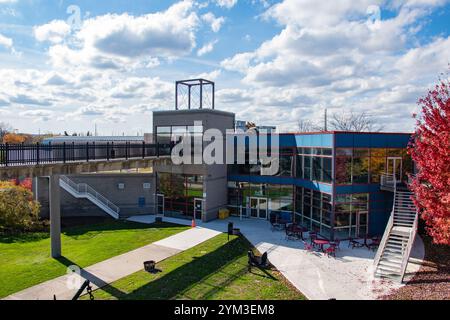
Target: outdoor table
<point>298,231</point>
<point>321,243</point>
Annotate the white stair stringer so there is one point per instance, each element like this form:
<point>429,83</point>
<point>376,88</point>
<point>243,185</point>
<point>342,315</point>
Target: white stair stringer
<point>393,253</point>
<point>83,190</point>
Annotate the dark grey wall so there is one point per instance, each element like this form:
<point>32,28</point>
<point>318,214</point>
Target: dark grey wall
<point>215,176</point>
<point>107,185</point>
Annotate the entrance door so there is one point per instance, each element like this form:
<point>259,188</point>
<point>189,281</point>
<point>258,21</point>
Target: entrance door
<point>258,208</point>
<point>361,224</point>
<point>160,204</point>
<point>198,208</point>
<point>394,167</point>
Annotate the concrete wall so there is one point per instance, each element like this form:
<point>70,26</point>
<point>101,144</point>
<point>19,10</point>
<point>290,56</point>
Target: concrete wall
<point>107,185</point>
<point>215,176</point>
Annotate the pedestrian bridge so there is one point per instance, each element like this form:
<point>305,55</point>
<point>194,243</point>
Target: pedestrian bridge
<point>38,160</point>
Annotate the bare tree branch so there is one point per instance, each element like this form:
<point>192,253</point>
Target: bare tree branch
<point>307,126</point>
<point>356,122</point>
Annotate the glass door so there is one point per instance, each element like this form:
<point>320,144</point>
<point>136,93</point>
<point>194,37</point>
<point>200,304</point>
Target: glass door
<point>258,208</point>
<point>361,224</point>
<point>254,207</point>
<point>198,208</point>
<point>160,204</point>
<point>262,208</point>
<point>394,167</point>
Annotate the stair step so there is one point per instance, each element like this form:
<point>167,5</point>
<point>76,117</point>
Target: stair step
<point>390,264</point>
<point>388,270</point>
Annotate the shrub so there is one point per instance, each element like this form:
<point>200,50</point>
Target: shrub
<point>18,211</point>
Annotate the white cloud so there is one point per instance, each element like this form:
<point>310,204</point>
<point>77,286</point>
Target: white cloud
<point>216,23</point>
<point>226,3</point>
<point>114,41</point>
<point>54,31</point>
<point>38,115</point>
<point>207,48</point>
<point>6,42</point>
<point>335,56</point>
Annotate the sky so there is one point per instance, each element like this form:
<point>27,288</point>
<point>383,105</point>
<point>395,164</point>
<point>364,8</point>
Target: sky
<point>68,65</point>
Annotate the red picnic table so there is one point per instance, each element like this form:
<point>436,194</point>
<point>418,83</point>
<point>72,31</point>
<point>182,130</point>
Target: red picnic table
<point>321,243</point>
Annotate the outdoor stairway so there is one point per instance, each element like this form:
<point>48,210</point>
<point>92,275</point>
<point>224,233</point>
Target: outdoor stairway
<point>83,190</point>
<point>393,253</point>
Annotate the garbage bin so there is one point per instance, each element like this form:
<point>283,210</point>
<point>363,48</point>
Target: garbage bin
<point>230,228</point>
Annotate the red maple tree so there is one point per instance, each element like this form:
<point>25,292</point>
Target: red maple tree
<point>430,150</point>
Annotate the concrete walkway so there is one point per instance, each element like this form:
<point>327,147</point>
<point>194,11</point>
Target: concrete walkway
<point>110,270</point>
<point>349,276</point>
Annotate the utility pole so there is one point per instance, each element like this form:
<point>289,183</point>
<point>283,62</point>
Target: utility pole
<point>325,120</point>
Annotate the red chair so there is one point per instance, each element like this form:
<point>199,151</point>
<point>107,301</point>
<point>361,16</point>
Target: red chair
<point>308,247</point>
<point>331,250</point>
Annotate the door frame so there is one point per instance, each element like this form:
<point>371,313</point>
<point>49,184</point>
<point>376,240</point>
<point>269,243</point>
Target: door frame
<point>159,195</point>
<point>358,222</point>
<point>202,200</point>
<point>258,200</point>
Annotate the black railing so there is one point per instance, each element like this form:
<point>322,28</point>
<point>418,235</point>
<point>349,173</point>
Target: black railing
<point>35,154</point>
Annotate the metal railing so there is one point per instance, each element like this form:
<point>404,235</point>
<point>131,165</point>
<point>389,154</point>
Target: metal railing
<point>408,249</point>
<point>85,189</point>
<point>388,180</point>
<point>36,154</point>
<point>386,234</point>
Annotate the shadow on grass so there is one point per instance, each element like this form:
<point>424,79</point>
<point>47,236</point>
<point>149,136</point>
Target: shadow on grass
<point>25,237</point>
<point>92,278</point>
<point>173,284</point>
<point>117,226</point>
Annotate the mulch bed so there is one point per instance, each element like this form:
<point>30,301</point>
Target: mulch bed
<point>432,281</point>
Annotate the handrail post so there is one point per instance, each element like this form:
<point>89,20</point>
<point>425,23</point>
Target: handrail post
<point>107,151</point>
<point>64,152</point>
<point>6,154</point>
<point>143,149</point>
<point>93,144</point>
<point>126,150</point>
<point>157,150</point>
<point>87,151</point>
<point>37,153</point>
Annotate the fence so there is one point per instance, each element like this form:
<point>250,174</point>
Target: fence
<point>35,154</point>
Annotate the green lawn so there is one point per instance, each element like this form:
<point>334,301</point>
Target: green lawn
<point>25,259</point>
<point>215,269</point>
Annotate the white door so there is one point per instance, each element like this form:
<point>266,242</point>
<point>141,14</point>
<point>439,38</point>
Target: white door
<point>199,204</point>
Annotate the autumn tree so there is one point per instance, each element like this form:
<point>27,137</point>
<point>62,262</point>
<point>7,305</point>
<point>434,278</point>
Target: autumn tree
<point>430,149</point>
<point>18,210</point>
<point>14,138</point>
<point>4,129</point>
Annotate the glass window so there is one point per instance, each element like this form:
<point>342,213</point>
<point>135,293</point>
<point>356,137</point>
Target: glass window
<point>360,170</point>
<point>317,168</point>
<point>307,167</point>
<point>327,170</point>
<point>343,170</point>
<point>163,134</point>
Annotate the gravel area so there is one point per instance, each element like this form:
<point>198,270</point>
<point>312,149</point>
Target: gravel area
<point>432,281</point>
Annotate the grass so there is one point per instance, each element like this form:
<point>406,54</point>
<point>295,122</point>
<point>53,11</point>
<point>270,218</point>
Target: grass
<point>25,259</point>
<point>215,269</point>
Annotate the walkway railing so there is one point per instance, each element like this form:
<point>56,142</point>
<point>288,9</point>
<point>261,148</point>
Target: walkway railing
<point>83,189</point>
<point>35,154</point>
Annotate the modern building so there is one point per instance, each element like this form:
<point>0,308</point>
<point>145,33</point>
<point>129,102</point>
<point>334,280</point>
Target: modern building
<point>329,182</point>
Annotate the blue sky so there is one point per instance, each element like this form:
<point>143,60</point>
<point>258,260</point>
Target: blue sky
<point>274,62</point>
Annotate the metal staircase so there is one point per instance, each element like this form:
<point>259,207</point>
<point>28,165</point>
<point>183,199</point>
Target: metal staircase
<point>393,253</point>
<point>83,190</point>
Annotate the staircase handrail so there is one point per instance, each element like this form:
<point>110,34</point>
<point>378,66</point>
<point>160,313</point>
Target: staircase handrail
<point>87,189</point>
<point>386,233</point>
<point>408,249</point>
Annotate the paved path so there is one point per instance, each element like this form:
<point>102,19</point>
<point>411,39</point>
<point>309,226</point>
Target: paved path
<point>110,270</point>
<point>349,276</point>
